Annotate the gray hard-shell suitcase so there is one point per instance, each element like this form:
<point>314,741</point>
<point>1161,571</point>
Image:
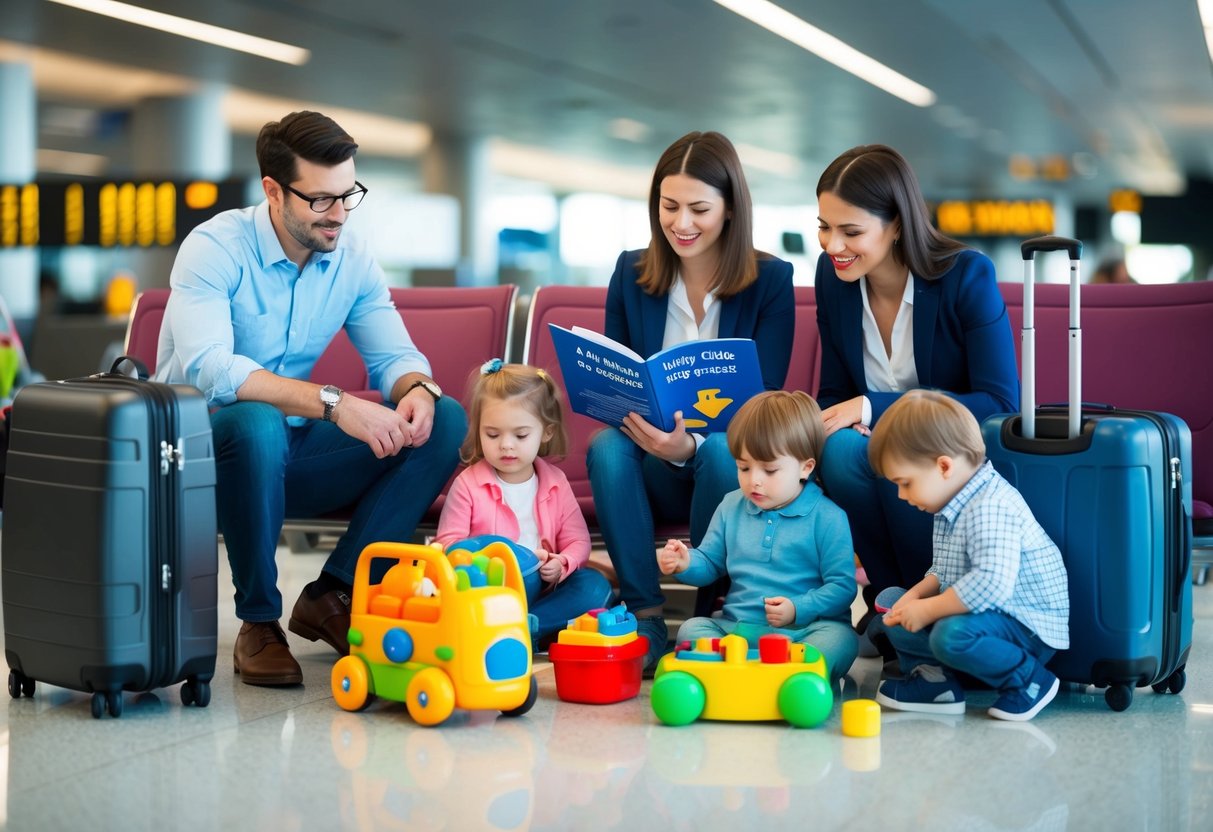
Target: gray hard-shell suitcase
<point>109,549</point>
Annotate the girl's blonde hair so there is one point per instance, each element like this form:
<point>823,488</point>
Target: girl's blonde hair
<point>922,426</point>
<point>777,423</point>
<point>532,387</point>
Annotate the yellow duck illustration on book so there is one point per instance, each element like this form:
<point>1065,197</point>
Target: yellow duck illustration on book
<point>710,405</point>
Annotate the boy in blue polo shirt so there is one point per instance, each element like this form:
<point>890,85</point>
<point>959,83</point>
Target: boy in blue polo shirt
<point>995,603</point>
<point>784,545</point>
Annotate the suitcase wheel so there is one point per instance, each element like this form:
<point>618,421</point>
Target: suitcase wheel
<point>197,693</point>
<point>103,701</point>
<point>1118,697</point>
<point>19,684</point>
<point>1172,684</point>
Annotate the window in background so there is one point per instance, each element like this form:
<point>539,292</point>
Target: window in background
<point>776,227</point>
<point>594,229</point>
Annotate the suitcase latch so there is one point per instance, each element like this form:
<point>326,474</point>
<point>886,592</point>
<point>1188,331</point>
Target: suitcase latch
<point>170,454</point>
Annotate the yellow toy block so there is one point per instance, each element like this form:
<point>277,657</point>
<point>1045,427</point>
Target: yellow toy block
<point>593,639</point>
<point>861,718</point>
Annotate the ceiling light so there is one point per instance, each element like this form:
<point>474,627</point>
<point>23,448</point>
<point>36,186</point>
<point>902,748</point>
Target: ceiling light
<point>829,48</point>
<point>216,35</point>
<point>771,161</point>
<point>1205,7</point>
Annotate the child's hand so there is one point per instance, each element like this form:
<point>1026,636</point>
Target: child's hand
<point>911,615</point>
<point>673,558</point>
<point>780,611</point>
<point>551,567</point>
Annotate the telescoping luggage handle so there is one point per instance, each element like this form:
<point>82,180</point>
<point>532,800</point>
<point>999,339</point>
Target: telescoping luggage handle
<point>1028,342</point>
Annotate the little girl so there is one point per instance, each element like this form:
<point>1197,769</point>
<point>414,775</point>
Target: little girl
<point>784,545</point>
<point>509,490</point>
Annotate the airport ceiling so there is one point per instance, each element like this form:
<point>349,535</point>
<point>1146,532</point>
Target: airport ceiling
<point>1100,94</point>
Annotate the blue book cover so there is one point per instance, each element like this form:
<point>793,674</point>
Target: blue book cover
<point>707,380</point>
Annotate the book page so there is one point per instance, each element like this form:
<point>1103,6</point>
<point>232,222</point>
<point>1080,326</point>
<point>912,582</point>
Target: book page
<point>610,343</point>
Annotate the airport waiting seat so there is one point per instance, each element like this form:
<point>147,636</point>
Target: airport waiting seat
<point>457,328</point>
<point>1143,347</point>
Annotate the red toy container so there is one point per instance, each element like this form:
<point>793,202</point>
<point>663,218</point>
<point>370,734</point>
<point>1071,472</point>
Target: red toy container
<point>598,675</point>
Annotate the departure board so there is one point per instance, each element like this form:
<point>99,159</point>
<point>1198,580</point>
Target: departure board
<point>132,213</point>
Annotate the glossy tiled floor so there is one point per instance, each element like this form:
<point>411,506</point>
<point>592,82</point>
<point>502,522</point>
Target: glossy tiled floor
<point>291,759</point>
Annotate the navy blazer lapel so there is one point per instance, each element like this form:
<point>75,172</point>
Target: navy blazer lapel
<point>653,314</point>
<point>926,311</point>
<point>852,331</point>
<point>730,311</point>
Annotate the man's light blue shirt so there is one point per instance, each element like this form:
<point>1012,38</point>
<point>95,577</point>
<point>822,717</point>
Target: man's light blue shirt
<point>239,304</point>
<point>995,556</point>
<point>801,552</point>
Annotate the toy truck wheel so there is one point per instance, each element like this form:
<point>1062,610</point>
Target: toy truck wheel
<point>430,697</point>
<point>529,703</point>
<point>678,698</point>
<point>805,700</point>
<point>351,683</point>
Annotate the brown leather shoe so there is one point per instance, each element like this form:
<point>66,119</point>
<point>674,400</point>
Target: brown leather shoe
<point>326,618</point>
<point>261,656</point>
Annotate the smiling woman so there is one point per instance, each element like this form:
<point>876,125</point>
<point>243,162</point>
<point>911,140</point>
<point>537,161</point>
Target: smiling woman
<point>899,306</point>
<point>700,278</point>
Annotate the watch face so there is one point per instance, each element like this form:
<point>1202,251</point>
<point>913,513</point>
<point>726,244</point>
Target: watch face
<point>330,395</point>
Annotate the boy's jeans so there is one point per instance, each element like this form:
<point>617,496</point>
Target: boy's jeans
<point>990,646</point>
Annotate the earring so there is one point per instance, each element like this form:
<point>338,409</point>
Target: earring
<point>896,241</point>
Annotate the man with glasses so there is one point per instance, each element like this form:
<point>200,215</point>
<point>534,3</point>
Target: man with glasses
<point>257,294</point>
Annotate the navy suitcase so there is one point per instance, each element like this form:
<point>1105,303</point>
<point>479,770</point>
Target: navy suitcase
<point>1111,489</point>
<point>109,551</point>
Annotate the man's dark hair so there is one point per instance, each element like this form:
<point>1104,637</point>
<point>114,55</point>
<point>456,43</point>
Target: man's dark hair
<point>302,135</point>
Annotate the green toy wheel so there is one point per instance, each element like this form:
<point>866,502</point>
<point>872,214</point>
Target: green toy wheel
<point>678,698</point>
<point>805,700</point>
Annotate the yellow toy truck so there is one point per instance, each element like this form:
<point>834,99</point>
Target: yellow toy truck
<point>437,635</point>
<point>724,679</point>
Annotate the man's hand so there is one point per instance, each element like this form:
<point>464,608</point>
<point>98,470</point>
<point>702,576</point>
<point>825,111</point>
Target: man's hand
<point>673,558</point>
<point>384,431</point>
<point>781,612</point>
<point>675,446</point>
<point>416,407</point>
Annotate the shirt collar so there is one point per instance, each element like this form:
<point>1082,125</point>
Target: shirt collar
<point>981,477</point>
<point>270,247</point>
<point>484,476</point>
<point>678,297</point>
<point>907,296</point>
<point>804,503</point>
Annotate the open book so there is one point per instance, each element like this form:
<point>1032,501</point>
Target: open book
<point>707,380</point>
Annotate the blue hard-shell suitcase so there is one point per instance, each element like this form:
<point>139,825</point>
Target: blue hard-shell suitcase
<point>109,551</point>
<point>1111,488</point>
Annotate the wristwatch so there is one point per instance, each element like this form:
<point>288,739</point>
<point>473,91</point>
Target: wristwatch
<point>430,387</point>
<point>329,396</point>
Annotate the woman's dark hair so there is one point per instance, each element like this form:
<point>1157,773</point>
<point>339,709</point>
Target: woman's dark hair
<point>879,180</point>
<point>303,135</point>
<point>712,159</point>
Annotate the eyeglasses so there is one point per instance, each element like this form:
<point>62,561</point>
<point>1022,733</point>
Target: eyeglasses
<point>322,204</point>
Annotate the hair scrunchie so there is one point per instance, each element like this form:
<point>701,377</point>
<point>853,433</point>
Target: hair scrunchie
<point>493,365</point>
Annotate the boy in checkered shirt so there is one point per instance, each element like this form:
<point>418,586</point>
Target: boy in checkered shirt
<point>995,603</point>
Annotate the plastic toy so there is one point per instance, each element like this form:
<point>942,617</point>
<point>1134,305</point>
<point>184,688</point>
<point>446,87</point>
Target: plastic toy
<point>452,642</point>
<point>724,679</point>
<point>861,718</point>
<point>599,657</point>
<point>464,551</point>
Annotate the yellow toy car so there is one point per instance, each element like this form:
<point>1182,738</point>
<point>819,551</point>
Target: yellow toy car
<point>723,679</point>
<point>436,635</point>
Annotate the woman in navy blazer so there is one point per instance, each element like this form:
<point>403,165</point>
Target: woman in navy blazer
<point>899,306</point>
<point>700,277</point>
